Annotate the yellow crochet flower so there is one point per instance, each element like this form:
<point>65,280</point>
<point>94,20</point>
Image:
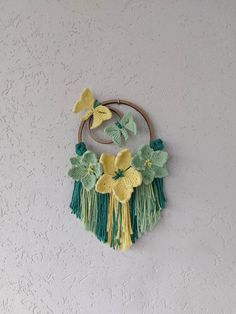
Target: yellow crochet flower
<point>119,177</point>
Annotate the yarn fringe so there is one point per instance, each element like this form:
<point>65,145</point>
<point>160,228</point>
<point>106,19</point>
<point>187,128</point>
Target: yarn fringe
<point>89,209</point>
<point>75,200</point>
<point>158,187</point>
<point>115,223</point>
<point>119,224</point>
<point>133,217</point>
<point>102,207</point>
<point>147,208</point>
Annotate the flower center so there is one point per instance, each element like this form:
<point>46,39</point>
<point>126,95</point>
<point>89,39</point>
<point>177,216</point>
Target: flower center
<point>148,163</point>
<point>90,169</point>
<point>118,174</point>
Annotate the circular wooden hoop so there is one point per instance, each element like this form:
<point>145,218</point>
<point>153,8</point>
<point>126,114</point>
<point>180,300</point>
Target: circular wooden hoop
<point>118,102</point>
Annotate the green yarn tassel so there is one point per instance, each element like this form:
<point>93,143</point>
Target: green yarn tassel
<point>75,200</point>
<point>133,217</point>
<point>89,209</point>
<point>102,206</point>
<point>80,149</point>
<point>158,184</point>
<point>116,222</point>
<point>147,208</point>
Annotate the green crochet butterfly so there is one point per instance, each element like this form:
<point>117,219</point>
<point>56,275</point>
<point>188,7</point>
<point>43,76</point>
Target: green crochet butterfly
<point>118,130</point>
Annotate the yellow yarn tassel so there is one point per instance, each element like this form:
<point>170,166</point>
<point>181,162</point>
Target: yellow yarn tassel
<point>125,241</point>
<point>118,224</point>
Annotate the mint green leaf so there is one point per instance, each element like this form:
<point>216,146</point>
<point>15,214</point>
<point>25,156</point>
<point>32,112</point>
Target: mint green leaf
<point>159,158</point>
<point>88,181</point>
<point>146,152</point>
<point>89,157</point>
<point>137,163</point>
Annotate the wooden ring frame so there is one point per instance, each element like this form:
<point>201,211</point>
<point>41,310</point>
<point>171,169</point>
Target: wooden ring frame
<point>117,102</point>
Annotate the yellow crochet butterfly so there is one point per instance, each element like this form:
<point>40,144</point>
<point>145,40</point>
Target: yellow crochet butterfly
<point>94,108</point>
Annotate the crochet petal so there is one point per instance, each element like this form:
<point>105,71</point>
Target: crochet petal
<point>159,158</point>
<point>146,152</point>
<point>134,177</point>
<point>104,184</point>
<point>122,190</point>
<point>108,163</point>
<point>161,172</point>
<point>89,157</point>
<point>137,162</point>
<point>148,175</point>
<point>77,172</point>
<point>97,170</point>
<point>123,159</point>
<point>75,160</point>
<point>88,181</point>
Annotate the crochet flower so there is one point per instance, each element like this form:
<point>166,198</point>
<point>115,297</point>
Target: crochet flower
<point>119,177</point>
<point>86,169</point>
<point>151,164</point>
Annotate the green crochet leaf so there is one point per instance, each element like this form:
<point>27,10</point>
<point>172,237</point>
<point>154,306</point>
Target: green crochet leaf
<point>145,152</point>
<point>89,181</point>
<point>159,158</point>
<point>89,157</point>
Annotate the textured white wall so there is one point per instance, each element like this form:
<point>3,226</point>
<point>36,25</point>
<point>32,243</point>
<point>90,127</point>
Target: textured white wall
<point>177,59</point>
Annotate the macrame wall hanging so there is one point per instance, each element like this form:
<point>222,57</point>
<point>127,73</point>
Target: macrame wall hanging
<point>118,198</point>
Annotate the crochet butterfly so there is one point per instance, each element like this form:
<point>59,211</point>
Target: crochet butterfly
<point>94,108</point>
<point>118,130</point>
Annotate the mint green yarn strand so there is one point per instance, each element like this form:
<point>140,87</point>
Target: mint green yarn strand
<point>146,208</point>
<point>89,209</point>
